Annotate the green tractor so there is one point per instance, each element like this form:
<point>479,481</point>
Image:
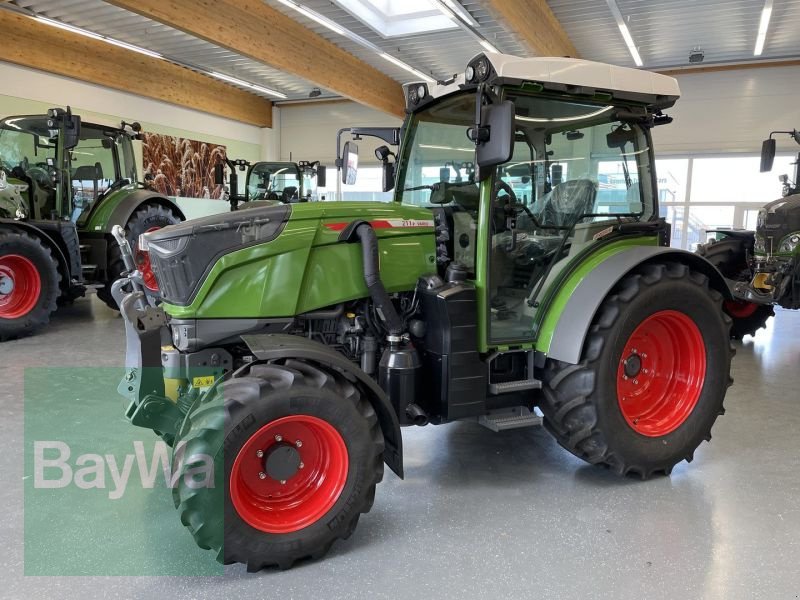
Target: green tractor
<point>521,277</point>
<point>762,266</point>
<point>63,185</point>
<point>270,181</point>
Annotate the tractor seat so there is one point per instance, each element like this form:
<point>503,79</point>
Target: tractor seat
<point>566,201</point>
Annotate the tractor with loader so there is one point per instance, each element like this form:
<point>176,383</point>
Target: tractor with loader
<point>762,266</point>
<point>521,277</point>
<point>63,185</point>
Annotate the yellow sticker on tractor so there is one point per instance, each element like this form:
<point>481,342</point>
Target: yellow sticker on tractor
<point>206,381</point>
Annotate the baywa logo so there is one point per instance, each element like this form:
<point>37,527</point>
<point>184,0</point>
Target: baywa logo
<point>53,468</point>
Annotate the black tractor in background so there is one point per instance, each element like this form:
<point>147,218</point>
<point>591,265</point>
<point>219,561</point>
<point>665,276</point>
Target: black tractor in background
<point>762,266</point>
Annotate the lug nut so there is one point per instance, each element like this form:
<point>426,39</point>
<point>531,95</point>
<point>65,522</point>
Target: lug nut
<point>278,438</point>
<point>262,475</point>
<point>625,377</point>
<point>302,465</point>
<point>259,453</point>
<point>283,482</point>
<point>636,381</point>
<point>298,443</point>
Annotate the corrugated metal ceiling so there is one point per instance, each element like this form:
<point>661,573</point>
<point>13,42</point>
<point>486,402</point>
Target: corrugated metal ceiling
<point>664,30</point>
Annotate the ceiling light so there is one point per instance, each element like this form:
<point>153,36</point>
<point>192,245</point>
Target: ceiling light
<point>247,84</point>
<point>626,34</point>
<point>133,48</point>
<point>97,36</point>
<point>153,54</point>
<point>410,69</point>
<point>68,27</point>
<point>763,25</point>
<point>459,11</point>
<point>313,16</point>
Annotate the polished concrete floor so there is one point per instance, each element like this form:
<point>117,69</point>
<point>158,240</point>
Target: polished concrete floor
<point>486,515</point>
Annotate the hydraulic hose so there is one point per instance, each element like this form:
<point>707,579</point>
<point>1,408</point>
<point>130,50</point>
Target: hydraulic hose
<point>372,277</point>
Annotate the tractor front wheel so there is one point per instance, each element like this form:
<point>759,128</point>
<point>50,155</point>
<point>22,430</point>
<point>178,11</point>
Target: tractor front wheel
<point>302,452</point>
<point>148,218</point>
<point>29,284</point>
<point>653,376</point>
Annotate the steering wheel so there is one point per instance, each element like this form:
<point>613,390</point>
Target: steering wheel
<point>512,203</point>
<point>40,176</point>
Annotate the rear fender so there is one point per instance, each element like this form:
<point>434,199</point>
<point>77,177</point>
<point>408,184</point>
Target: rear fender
<point>570,326</point>
<point>118,208</point>
<point>275,346</point>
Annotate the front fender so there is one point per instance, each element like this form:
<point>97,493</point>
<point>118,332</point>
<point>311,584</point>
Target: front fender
<point>274,346</point>
<point>562,335</point>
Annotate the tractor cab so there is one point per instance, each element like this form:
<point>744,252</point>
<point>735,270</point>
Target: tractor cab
<point>523,178</point>
<point>272,182</point>
<point>63,166</point>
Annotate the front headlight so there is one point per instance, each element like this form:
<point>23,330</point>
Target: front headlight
<point>789,243</point>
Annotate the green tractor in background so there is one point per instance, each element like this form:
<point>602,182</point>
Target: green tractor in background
<point>521,277</point>
<point>272,181</point>
<point>63,185</point>
<point>762,266</point>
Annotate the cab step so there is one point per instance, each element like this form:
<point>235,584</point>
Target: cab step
<point>506,387</point>
<point>510,418</point>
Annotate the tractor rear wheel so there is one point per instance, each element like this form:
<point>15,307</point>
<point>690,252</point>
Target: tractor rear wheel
<point>303,452</point>
<point>29,284</point>
<point>148,218</point>
<point>729,255</point>
<point>653,376</point>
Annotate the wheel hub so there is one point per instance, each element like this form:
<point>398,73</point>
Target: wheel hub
<point>632,365</point>
<point>20,286</point>
<point>282,462</point>
<point>289,474</point>
<point>662,372</point>
<point>6,284</point>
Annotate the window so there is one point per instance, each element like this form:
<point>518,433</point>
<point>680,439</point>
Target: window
<point>393,18</point>
<point>737,179</point>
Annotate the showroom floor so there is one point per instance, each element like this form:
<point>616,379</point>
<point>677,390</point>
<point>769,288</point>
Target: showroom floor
<point>482,515</point>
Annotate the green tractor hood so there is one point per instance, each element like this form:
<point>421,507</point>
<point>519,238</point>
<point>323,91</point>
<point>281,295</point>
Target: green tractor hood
<point>284,260</point>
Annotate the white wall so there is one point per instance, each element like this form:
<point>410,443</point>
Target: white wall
<point>732,111</point>
<point>308,131</point>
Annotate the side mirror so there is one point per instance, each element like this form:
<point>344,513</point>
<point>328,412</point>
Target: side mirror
<point>322,175</point>
<point>72,131</point>
<point>219,174</point>
<point>498,146</point>
<point>767,155</point>
<point>349,163</point>
<point>388,176</point>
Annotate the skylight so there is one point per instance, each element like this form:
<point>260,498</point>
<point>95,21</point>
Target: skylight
<point>394,18</point>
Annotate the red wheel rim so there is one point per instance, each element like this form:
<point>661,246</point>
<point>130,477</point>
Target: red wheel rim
<point>142,258</point>
<point>22,285</point>
<point>740,309</point>
<point>661,373</point>
<point>303,498</point>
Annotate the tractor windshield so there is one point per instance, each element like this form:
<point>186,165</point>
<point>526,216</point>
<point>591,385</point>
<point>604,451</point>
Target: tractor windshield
<point>274,181</point>
<point>27,153</point>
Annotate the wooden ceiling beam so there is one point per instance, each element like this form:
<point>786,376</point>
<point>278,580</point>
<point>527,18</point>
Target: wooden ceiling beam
<point>535,25</point>
<point>29,43</point>
<point>256,30</point>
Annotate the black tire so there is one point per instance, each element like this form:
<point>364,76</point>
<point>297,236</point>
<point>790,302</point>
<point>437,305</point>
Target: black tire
<point>19,244</point>
<point>145,218</point>
<point>230,414</point>
<point>581,405</point>
<point>729,255</point>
